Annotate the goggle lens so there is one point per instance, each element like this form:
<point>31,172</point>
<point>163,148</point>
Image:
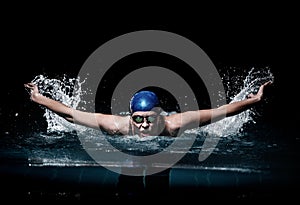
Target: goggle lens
<point>140,119</point>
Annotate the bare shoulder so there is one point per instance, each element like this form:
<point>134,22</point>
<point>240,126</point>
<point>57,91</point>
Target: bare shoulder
<point>172,122</point>
<point>113,124</point>
<point>122,123</point>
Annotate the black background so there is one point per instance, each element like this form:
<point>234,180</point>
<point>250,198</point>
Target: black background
<point>53,43</point>
<point>57,40</point>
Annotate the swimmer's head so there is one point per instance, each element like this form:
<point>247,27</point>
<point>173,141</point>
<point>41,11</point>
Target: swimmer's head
<point>143,101</point>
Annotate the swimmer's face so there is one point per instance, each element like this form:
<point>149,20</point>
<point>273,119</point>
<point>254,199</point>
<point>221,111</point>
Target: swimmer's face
<point>146,123</point>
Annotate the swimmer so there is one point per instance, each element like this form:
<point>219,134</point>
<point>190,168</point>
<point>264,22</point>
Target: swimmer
<point>145,117</point>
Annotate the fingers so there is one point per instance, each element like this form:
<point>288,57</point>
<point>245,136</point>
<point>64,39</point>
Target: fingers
<point>264,85</point>
<point>267,83</point>
<point>30,88</point>
<point>260,90</point>
<point>251,95</point>
<point>29,85</point>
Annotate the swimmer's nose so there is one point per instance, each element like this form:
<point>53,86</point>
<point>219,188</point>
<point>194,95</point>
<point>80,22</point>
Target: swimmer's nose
<point>145,124</point>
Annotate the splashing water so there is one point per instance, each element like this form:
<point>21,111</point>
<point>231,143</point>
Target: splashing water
<point>233,126</point>
<point>69,92</point>
<point>66,90</point>
<point>238,88</point>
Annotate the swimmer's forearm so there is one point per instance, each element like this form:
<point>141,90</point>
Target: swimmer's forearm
<point>238,106</point>
<point>53,105</point>
<point>207,116</point>
<point>70,114</point>
<point>227,110</point>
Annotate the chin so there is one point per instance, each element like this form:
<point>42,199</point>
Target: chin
<point>145,134</point>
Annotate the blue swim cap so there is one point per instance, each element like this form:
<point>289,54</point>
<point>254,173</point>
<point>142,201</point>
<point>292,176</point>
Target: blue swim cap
<point>143,101</point>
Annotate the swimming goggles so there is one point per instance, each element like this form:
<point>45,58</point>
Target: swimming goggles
<point>140,119</point>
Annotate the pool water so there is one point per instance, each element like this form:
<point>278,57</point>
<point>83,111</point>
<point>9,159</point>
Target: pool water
<point>256,164</point>
<point>48,158</point>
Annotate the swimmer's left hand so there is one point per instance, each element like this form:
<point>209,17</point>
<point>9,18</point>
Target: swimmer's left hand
<point>259,95</point>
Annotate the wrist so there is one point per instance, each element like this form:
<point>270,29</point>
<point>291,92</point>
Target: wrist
<point>37,97</point>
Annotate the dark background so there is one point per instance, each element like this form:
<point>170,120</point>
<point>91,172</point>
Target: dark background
<point>53,44</point>
<point>54,41</point>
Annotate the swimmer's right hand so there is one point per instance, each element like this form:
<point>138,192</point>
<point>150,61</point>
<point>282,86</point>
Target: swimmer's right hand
<point>33,91</point>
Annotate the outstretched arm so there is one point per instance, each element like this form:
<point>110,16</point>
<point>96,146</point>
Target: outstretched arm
<point>57,107</point>
<point>240,106</point>
<point>206,116</point>
<point>93,120</point>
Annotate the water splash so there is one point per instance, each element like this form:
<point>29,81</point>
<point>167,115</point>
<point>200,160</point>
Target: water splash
<point>69,91</point>
<point>233,126</point>
<point>65,90</point>
<point>237,86</point>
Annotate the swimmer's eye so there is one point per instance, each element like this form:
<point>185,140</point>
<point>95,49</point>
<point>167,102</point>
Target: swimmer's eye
<point>140,119</point>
